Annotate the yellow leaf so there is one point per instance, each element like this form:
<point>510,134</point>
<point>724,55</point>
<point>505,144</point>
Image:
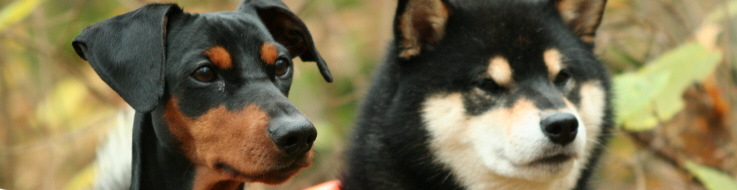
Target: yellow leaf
<point>83,179</point>
<point>16,11</point>
<point>66,100</point>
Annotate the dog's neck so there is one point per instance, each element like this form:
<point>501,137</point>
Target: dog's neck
<point>157,166</point>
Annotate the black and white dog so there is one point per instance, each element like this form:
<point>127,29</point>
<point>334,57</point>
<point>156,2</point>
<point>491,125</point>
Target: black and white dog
<point>485,94</point>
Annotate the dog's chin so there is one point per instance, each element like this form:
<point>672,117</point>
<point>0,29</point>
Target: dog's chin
<point>552,160</point>
<point>548,167</point>
<point>280,175</point>
<point>542,166</point>
<point>272,174</point>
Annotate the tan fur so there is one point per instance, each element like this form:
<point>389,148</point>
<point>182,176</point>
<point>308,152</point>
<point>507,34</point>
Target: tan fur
<point>593,102</point>
<point>553,60</point>
<point>220,57</point>
<point>447,111</point>
<point>500,71</point>
<point>423,21</point>
<point>588,39</point>
<point>239,139</point>
<point>207,178</point>
<point>269,53</point>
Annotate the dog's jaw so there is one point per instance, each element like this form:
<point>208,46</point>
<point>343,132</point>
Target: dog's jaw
<point>242,153</point>
<point>224,176</point>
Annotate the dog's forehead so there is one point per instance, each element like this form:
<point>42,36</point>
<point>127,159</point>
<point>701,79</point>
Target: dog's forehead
<point>526,42</point>
<point>521,52</point>
<point>203,31</point>
<point>234,25</point>
<point>493,7</point>
<point>231,35</point>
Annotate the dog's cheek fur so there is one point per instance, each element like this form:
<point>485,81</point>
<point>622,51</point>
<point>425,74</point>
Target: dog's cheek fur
<point>445,120</point>
<point>591,111</point>
<point>238,139</point>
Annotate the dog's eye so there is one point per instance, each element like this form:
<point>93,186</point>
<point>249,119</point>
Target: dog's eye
<point>204,74</point>
<point>281,67</point>
<point>489,85</point>
<point>562,78</point>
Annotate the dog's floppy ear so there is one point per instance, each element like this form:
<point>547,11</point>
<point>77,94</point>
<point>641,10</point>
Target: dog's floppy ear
<point>288,30</point>
<point>419,24</point>
<point>582,16</point>
<point>128,52</point>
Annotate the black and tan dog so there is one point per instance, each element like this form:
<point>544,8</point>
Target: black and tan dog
<point>485,94</point>
<point>210,91</point>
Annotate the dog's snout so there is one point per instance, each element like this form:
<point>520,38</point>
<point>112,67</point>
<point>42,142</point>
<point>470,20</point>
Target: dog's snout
<point>561,128</point>
<point>293,135</point>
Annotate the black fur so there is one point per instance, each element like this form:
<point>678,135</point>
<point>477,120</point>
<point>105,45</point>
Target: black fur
<point>148,56</point>
<point>389,147</point>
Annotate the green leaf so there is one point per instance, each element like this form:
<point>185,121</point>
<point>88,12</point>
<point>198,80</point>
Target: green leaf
<point>635,93</point>
<point>654,93</point>
<point>688,63</point>
<point>16,11</point>
<point>711,178</point>
<point>641,122</point>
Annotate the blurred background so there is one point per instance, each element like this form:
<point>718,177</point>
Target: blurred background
<point>671,60</point>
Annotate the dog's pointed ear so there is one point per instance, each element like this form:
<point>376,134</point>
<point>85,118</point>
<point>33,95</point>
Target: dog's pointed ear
<point>128,53</point>
<point>288,30</point>
<point>418,25</point>
<point>582,16</point>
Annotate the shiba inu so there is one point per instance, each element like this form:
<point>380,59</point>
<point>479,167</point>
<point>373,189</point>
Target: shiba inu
<point>492,94</point>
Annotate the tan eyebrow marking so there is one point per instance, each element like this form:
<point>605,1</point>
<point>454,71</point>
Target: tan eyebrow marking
<point>553,59</point>
<point>269,53</point>
<point>500,71</point>
<point>220,57</point>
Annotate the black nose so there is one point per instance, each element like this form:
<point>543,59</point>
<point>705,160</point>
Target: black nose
<point>293,135</point>
<point>561,128</point>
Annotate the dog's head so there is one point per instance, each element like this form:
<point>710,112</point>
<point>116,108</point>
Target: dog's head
<point>510,88</point>
<point>215,83</point>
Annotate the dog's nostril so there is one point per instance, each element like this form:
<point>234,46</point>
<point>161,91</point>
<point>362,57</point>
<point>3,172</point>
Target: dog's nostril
<point>561,128</point>
<point>294,136</point>
<point>311,139</point>
<point>553,130</point>
<point>290,141</point>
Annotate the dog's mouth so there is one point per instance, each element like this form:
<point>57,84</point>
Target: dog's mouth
<point>276,170</point>
<point>274,174</point>
<point>556,159</point>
